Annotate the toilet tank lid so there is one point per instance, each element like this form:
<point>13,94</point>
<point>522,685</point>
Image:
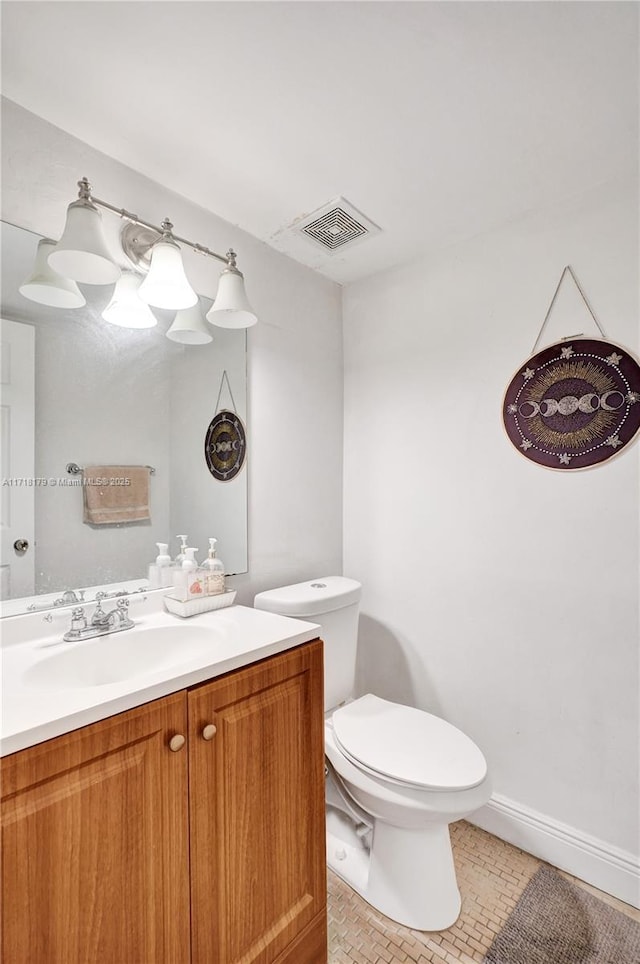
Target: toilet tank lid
<point>310,598</point>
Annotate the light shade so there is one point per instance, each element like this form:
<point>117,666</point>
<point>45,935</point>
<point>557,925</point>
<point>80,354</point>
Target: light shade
<point>126,308</point>
<point>166,285</point>
<point>82,252</point>
<point>189,327</point>
<point>231,309</point>
<point>46,286</point>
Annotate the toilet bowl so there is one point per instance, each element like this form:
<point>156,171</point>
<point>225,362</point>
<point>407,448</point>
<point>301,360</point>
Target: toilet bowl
<point>396,776</point>
<point>394,848</point>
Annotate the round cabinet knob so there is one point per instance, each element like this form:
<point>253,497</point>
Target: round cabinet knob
<point>21,545</point>
<point>209,731</point>
<point>177,742</point>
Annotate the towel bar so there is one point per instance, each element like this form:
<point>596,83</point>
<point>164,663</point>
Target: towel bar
<point>74,469</point>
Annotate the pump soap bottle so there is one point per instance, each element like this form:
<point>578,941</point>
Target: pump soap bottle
<point>181,555</point>
<point>163,562</point>
<point>214,574</point>
<point>183,573</point>
<point>160,570</point>
<point>195,581</point>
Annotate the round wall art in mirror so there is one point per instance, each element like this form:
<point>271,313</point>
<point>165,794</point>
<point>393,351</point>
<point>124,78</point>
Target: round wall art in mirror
<point>574,404</point>
<point>225,446</point>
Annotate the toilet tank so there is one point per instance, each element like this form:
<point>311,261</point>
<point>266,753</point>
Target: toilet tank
<point>333,602</point>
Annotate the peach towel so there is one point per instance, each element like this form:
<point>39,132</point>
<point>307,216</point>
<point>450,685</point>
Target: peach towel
<point>115,494</point>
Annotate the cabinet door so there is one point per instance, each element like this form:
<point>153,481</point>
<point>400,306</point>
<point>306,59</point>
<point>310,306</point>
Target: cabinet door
<point>256,796</point>
<point>95,844</point>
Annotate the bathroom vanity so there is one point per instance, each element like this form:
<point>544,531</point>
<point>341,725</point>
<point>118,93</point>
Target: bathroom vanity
<point>186,829</point>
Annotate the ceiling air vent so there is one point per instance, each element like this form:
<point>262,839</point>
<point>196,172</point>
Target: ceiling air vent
<point>337,225</point>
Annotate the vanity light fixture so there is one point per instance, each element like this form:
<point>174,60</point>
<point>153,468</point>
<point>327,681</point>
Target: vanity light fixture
<point>126,309</point>
<point>46,286</point>
<point>231,308</point>
<point>166,285</point>
<point>82,255</point>
<point>189,327</point>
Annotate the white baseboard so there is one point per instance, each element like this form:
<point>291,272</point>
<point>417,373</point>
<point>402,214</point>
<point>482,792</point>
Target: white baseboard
<point>610,869</point>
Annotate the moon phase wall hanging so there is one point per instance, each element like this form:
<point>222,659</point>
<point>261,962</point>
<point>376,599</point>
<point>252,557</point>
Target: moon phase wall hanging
<point>225,442</point>
<point>574,404</point>
<point>225,446</point>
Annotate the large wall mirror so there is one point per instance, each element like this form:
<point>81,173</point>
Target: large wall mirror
<point>78,390</point>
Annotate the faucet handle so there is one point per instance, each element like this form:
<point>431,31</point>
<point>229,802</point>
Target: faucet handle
<point>122,613</point>
<point>78,618</point>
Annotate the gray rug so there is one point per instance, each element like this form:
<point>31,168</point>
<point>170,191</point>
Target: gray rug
<point>555,922</point>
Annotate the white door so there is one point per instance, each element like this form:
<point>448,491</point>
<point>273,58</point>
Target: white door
<point>17,483</point>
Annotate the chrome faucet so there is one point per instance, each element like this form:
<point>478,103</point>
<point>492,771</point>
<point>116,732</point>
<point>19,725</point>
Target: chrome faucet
<point>102,623</point>
<point>100,618</point>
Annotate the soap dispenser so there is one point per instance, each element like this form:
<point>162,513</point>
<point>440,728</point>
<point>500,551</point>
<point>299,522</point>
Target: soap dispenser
<point>160,571</point>
<point>189,562</point>
<point>163,562</point>
<point>181,555</point>
<point>214,574</point>
<point>194,576</point>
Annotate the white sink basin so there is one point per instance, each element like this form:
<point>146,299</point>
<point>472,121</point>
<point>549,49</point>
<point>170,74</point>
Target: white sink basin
<point>120,656</point>
<point>49,687</point>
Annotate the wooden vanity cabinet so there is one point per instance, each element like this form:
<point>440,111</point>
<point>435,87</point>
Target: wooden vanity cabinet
<point>117,849</point>
<point>95,837</point>
<point>256,804</point>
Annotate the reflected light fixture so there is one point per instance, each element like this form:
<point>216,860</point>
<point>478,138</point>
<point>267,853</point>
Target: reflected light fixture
<point>46,286</point>
<point>82,255</point>
<point>189,327</point>
<point>126,308</point>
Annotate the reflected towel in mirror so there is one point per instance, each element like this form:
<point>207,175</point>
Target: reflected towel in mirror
<point>115,494</point>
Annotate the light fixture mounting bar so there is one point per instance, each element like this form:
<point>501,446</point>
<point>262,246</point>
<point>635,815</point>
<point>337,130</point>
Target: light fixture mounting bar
<point>85,195</point>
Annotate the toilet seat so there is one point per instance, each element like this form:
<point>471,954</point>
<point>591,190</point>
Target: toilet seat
<point>407,746</point>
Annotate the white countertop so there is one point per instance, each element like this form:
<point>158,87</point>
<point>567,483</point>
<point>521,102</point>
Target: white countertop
<point>34,713</point>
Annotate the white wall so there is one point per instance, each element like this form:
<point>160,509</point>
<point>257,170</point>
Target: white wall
<point>294,353</point>
<point>502,595</point>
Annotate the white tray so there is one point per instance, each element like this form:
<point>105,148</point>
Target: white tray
<point>195,606</point>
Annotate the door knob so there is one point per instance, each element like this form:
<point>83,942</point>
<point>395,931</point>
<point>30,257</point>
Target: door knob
<point>21,545</point>
<point>177,742</point>
<point>209,731</point>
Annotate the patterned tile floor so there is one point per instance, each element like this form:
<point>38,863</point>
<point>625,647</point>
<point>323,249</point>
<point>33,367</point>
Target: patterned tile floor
<point>491,875</point>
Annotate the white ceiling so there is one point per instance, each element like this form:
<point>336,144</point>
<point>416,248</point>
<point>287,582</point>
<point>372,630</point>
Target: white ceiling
<point>437,120</point>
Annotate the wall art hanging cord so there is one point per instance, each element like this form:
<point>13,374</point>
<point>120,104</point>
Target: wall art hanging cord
<point>224,378</point>
<point>568,269</point>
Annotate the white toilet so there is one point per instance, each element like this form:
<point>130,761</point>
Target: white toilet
<point>396,776</point>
